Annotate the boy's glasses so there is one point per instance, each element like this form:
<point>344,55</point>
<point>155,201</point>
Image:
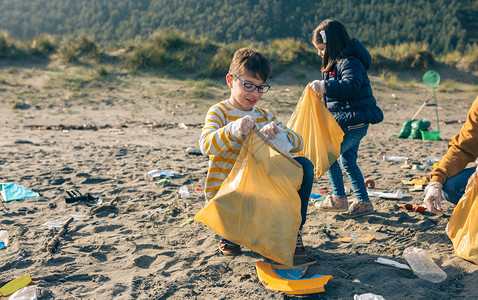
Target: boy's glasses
<point>250,87</point>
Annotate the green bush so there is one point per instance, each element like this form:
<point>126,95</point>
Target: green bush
<point>68,53</point>
<point>44,44</point>
<point>8,48</point>
<point>403,56</point>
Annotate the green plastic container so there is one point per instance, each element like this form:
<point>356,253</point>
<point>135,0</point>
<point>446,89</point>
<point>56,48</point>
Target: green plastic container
<point>430,135</point>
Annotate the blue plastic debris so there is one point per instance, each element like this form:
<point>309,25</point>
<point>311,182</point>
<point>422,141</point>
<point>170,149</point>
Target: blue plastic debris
<point>13,191</point>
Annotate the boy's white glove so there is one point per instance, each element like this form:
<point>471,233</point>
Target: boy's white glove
<point>270,130</point>
<point>242,127</point>
<point>318,86</point>
<point>432,199</point>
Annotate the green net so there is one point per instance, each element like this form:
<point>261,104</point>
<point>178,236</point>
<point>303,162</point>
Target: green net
<point>431,79</point>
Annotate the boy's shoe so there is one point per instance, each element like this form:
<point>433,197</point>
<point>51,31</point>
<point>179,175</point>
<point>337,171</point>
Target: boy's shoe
<point>358,208</point>
<point>333,203</point>
<point>229,250</point>
<point>300,252</point>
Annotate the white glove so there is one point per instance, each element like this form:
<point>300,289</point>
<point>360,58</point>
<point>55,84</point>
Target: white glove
<point>318,86</point>
<point>432,199</point>
<point>270,130</point>
<point>242,127</point>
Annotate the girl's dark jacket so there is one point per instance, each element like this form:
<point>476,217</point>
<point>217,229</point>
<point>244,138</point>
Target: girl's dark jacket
<point>349,95</point>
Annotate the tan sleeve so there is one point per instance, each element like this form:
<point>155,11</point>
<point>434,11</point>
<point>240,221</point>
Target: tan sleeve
<point>462,148</point>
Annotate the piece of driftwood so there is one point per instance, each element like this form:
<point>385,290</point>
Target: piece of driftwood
<point>109,204</point>
<point>53,244</point>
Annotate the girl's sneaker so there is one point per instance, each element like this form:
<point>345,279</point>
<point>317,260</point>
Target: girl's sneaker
<point>333,203</point>
<point>358,208</point>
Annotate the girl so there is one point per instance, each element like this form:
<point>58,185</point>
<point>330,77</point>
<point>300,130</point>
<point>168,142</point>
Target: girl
<point>347,94</point>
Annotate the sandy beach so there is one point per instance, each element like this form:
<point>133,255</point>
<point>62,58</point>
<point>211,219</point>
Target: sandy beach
<point>103,137</point>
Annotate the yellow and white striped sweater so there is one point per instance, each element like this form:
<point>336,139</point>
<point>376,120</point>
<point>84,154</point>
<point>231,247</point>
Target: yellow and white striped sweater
<point>217,142</point>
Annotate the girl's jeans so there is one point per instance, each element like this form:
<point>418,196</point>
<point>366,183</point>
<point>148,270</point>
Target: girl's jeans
<point>304,191</point>
<point>348,159</point>
<point>454,187</point>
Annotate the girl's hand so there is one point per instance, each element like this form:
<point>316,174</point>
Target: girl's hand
<point>318,86</point>
<point>270,130</point>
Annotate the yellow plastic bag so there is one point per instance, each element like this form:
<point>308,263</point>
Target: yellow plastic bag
<point>321,134</point>
<point>257,206</point>
<point>462,228</point>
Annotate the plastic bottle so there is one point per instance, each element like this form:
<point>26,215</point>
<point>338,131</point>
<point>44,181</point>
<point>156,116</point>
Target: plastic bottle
<point>431,160</point>
<point>394,158</point>
<point>423,265</point>
<point>3,238</point>
<point>163,182</point>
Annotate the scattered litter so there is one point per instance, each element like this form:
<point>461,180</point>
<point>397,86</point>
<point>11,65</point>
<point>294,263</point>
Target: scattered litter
<point>395,158</point>
<point>397,195</point>
<point>416,181</point>
<point>418,167</point>
<point>322,193</point>
<point>369,182</point>
<point>196,151</point>
<point>198,189</point>
<point>368,296</point>
<point>13,191</point>
<point>413,207</point>
<point>185,222</point>
<point>75,196</point>
<point>184,192</point>
<point>61,223</point>
<point>417,188</point>
<point>100,223</point>
<point>163,181</point>
<point>152,211</point>
<point>183,126</point>
<point>345,273</point>
<point>392,263</point>
<point>108,205</point>
<point>431,160</point>
<point>151,175</point>
<point>14,285</point>
<point>3,238</point>
<point>289,280</point>
<point>356,239</point>
<point>423,265</point>
<point>28,292</point>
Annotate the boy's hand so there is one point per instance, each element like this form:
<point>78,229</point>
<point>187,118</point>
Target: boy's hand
<point>318,86</point>
<point>432,198</point>
<point>270,130</point>
<point>242,127</point>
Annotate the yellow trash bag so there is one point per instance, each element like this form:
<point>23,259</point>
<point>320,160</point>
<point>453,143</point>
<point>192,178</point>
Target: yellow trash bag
<point>321,134</point>
<point>462,228</point>
<point>257,206</point>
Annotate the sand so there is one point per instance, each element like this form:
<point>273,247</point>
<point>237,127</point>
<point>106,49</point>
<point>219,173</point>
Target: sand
<point>102,138</point>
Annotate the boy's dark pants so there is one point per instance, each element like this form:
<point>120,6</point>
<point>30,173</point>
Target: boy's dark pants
<point>304,191</point>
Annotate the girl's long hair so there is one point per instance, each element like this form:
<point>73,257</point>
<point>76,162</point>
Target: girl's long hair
<point>337,39</point>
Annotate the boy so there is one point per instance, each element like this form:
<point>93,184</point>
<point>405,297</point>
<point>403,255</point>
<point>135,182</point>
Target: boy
<point>229,121</point>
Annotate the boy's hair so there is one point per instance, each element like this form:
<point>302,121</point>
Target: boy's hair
<point>250,61</point>
<point>337,39</point>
